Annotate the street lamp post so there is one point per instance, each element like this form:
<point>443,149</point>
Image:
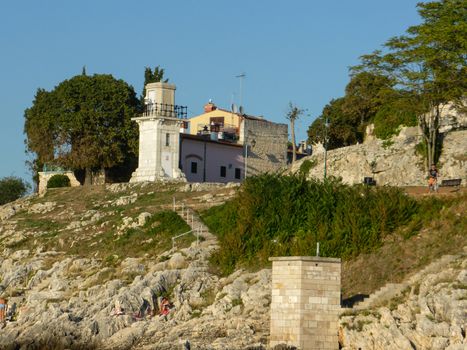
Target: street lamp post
<point>326,139</point>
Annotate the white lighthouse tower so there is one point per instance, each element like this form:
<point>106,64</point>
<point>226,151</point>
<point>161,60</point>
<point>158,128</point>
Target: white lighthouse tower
<point>159,135</point>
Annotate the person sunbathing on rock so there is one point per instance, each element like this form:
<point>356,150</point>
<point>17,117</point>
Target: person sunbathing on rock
<point>117,310</point>
<point>164,308</point>
<point>3,309</point>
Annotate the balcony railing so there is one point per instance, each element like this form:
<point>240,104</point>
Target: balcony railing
<point>165,110</point>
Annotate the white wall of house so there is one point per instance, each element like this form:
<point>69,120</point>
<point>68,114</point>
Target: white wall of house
<point>207,161</point>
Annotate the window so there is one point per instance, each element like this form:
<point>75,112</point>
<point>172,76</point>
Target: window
<point>238,173</point>
<point>167,139</point>
<point>223,171</point>
<point>194,167</point>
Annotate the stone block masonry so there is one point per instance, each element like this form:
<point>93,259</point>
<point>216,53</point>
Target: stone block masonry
<point>305,302</point>
<point>267,146</point>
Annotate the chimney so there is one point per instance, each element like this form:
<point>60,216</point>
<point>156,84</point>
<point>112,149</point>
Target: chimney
<point>209,107</point>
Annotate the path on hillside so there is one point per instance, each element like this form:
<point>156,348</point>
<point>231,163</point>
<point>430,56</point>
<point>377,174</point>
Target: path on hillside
<point>193,220</point>
<point>422,191</point>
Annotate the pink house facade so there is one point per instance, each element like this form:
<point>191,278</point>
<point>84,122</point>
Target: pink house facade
<point>206,160</point>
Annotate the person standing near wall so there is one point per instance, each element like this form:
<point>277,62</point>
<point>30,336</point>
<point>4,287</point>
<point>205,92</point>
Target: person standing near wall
<point>433,179</point>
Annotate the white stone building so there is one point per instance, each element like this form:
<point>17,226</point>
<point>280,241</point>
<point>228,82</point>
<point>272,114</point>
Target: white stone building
<point>215,153</point>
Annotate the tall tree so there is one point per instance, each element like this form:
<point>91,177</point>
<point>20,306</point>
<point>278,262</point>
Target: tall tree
<point>343,129</point>
<point>365,94</point>
<point>429,63</point>
<point>293,114</point>
<point>84,123</point>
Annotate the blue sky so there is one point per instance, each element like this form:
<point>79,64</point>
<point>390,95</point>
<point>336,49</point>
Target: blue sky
<point>291,50</point>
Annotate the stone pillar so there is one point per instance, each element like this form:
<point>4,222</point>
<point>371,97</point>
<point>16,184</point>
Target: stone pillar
<point>305,302</point>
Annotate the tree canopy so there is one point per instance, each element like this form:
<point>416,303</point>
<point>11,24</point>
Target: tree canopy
<point>409,81</point>
<point>365,95</point>
<point>428,63</point>
<point>83,123</point>
<point>12,188</point>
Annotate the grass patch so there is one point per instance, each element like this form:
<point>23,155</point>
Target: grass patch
<point>438,227</point>
<point>307,165</point>
<point>151,239</point>
<point>387,143</point>
<point>39,224</point>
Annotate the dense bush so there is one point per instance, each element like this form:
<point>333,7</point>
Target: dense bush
<point>58,180</point>
<point>390,118</point>
<point>12,188</point>
<point>306,166</point>
<point>286,215</point>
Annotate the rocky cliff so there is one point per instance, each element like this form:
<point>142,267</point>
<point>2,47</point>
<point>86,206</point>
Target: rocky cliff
<point>393,162</point>
<point>86,268</point>
<point>96,299</point>
<point>427,311</point>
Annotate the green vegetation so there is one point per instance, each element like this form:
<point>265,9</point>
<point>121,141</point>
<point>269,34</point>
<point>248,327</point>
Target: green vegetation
<point>407,83</point>
<point>286,215</point>
<point>438,227</point>
<point>58,180</point>
<point>154,237</point>
<point>306,166</point>
<point>390,118</point>
<point>83,123</point>
<point>427,65</point>
<point>12,188</point>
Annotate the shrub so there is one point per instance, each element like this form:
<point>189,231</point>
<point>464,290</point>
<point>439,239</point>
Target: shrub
<point>390,118</point>
<point>58,180</point>
<point>287,215</point>
<point>306,166</point>
<point>12,188</point>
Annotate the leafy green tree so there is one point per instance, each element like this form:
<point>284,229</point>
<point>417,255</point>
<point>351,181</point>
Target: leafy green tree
<point>428,63</point>
<point>365,94</point>
<point>293,114</point>
<point>343,129</point>
<point>84,123</point>
<point>12,188</point>
<point>391,116</point>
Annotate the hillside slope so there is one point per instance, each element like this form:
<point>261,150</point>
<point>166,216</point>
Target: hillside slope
<point>72,258</point>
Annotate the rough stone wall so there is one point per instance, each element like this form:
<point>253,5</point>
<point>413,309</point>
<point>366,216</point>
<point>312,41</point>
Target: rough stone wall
<point>395,163</point>
<point>269,152</point>
<point>45,176</point>
<point>305,302</point>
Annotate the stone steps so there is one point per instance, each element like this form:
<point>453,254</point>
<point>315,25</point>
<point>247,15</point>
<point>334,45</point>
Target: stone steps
<point>193,220</point>
<point>391,290</point>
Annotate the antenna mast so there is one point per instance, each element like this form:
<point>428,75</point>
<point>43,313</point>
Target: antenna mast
<point>241,77</point>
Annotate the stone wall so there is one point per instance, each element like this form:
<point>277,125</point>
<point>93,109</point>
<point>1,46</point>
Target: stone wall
<point>394,163</point>
<point>45,176</point>
<point>305,302</point>
<point>267,145</point>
